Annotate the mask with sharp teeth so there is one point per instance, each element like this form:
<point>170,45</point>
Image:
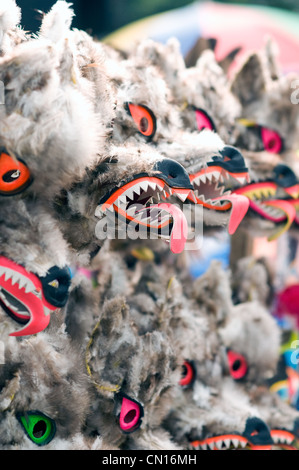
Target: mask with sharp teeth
<point>273,199</point>
<point>126,194</point>
<point>29,299</point>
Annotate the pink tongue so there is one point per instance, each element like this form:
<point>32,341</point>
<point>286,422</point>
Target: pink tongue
<point>240,205</point>
<point>179,232</point>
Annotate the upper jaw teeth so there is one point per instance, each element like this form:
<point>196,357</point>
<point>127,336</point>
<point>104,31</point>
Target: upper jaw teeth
<point>16,277</point>
<point>222,444</point>
<point>282,439</point>
<point>218,176</point>
<point>133,198</point>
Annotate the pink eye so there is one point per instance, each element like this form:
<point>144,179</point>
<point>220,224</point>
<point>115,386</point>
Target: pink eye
<point>271,140</point>
<point>203,120</point>
<point>188,374</point>
<point>130,415</point>
<point>238,366</point>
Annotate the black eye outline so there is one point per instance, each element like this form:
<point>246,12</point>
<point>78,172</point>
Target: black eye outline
<point>149,137</point>
<point>238,365</point>
<point>188,374</point>
<point>57,296</point>
<point>36,421</point>
<point>207,116</point>
<point>123,415</point>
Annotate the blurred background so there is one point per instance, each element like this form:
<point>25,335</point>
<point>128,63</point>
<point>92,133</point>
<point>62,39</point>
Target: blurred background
<point>102,17</point>
<point>241,24</point>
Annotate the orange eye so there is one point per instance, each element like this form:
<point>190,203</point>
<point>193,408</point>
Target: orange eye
<point>14,175</point>
<point>144,118</point>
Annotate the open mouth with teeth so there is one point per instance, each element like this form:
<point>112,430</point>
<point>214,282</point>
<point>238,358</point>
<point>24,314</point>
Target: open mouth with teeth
<point>224,442</point>
<point>263,203</point>
<point>210,190</point>
<point>23,298</point>
<point>143,205</point>
<point>283,439</point>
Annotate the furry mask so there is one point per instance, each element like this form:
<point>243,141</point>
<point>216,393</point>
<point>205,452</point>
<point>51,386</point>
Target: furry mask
<point>46,409</point>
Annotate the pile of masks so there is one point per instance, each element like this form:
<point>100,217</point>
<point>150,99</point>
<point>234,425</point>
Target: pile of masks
<point>113,167</point>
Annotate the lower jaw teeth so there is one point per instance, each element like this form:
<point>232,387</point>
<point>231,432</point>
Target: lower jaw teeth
<point>13,308</point>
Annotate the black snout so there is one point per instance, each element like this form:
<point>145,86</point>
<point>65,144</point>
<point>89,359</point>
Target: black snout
<point>257,432</point>
<point>284,176</point>
<point>173,173</point>
<point>56,286</point>
<point>231,160</point>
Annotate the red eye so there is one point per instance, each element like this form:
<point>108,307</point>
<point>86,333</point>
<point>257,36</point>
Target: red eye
<point>144,118</point>
<point>130,415</point>
<point>14,175</point>
<point>188,374</point>
<point>271,140</point>
<point>238,366</point>
<point>203,120</point>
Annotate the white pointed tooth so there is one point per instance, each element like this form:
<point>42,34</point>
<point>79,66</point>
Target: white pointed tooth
<point>209,176</point>
<point>8,274</point>
<point>137,189</point>
<point>241,179</point>
<point>182,196</point>
<point>227,442</point>
<point>144,185</point>
<point>203,177</point>
<point>196,181</point>
<point>123,199</point>
<point>22,282</point>
<point>129,193</point>
<point>29,287</point>
<point>204,446</point>
<point>235,442</point>
<point>152,184</point>
<point>121,202</point>
<point>243,443</point>
<point>158,197</point>
<point>276,439</point>
<point>15,277</point>
<point>164,194</point>
<point>160,186</point>
<point>221,178</point>
<point>218,444</point>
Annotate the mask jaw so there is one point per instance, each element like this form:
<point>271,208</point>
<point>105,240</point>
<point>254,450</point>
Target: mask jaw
<point>37,323</point>
<point>22,298</point>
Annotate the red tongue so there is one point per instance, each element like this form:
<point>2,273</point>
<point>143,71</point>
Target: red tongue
<point>240,205</point>
<point>179,232</point>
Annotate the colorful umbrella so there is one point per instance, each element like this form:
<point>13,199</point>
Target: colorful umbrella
<point>232,25</point>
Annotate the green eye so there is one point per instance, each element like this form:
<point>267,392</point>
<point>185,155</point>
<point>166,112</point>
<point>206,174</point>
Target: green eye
<point>39,428</point>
